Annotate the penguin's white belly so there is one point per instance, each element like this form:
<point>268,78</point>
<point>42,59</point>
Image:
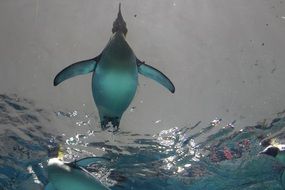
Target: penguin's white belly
<point>114,91</point>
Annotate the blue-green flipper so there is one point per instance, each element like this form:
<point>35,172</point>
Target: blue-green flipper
<point>49,186</point>
<point>79,68</point>
<point>155,74</point>
<point>85,162</point>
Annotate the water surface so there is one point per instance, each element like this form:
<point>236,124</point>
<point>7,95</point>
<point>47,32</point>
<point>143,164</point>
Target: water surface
<point>216,156</point>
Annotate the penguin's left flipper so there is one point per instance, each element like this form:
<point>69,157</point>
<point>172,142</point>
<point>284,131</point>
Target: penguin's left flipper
<point>155,74</point>
<point>79,68</point>
<point>85,162</point>
<point>50,187</point>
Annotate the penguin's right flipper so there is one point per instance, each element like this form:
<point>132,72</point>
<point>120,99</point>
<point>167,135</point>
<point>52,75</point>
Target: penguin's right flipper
<point>49,186</point>
<point>155,74</point>
<point>84,162</point>
<point>79,68</point>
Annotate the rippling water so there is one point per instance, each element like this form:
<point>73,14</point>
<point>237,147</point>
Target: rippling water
<point>204,156</point>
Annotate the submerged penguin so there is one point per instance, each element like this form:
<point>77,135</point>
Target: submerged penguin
<point>278,152</point>
<point>72,175</point>
<point>115,75</point>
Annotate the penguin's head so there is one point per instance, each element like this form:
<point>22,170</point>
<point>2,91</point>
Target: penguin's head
<point>271,151</point>
<point>119,25</point>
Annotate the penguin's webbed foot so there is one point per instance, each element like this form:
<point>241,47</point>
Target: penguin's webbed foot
<point>111,123</point>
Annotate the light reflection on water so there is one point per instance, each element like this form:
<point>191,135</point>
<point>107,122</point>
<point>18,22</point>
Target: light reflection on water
<point>174,158</point>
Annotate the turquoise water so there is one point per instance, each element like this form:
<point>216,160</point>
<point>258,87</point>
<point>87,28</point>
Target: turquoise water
<point>202,156</point>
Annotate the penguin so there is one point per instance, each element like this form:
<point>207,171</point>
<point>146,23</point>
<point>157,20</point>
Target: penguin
<point>115,75</point>
<point>72,175</point>
<point>275,151</point>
